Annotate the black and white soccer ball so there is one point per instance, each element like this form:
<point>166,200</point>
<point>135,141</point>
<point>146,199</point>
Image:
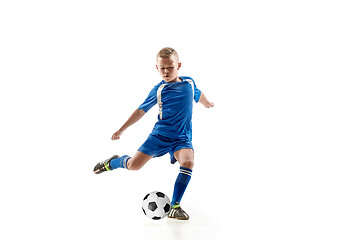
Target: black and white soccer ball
<point>156,205</point>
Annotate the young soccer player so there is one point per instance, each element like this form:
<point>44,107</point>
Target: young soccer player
<point>173,131</point>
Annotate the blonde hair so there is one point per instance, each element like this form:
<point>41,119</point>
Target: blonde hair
<point>167,52</point>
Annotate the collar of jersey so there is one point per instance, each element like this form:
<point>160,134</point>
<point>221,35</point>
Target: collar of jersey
<point>181,77</point>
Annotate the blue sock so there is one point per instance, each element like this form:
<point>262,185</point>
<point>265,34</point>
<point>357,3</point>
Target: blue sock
<point>181,183</point>
<point>120,162</point>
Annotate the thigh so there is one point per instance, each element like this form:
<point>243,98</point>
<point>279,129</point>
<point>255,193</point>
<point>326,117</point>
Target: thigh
<point>156,146</point>
<point>138,160</point>
<point>185,157</point>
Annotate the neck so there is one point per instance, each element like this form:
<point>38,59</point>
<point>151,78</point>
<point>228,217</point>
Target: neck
<point>177,79</point>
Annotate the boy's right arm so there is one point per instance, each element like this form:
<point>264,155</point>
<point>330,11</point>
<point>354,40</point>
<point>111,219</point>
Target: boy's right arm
<point>136,116</point>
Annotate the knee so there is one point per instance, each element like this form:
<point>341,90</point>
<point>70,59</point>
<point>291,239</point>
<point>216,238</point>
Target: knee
<point>133,166</point>
<point>188,163</point>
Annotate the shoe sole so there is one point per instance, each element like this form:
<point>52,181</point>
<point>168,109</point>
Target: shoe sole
<point>179,218</point>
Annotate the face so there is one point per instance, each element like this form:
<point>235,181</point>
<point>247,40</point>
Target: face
<point>168,68</point>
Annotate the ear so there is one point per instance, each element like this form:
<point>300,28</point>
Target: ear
<point>179,66</point>
<point>157,67</point>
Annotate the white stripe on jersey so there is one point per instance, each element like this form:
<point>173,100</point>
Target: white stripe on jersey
<point>159,99</point>
<point>158,94</point>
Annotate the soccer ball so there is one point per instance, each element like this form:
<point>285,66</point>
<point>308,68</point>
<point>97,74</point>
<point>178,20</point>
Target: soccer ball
<point>156,205</point>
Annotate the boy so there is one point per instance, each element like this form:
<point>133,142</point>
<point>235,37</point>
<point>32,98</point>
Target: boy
<point>173,131</point>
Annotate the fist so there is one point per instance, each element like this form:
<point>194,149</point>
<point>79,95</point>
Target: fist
<point>116,135</point>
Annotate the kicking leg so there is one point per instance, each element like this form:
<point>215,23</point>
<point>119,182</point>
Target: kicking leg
<point>138,161</point>
<point>132,163</point>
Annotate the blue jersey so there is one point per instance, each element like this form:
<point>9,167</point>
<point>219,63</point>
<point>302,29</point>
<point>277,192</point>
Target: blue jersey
<point>175,102</point>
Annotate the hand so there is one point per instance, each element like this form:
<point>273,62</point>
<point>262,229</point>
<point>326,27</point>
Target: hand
<point>204,101</point>
<point>210,105</point>
<point>116,135</point>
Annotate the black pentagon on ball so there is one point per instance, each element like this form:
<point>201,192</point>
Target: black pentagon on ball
<point>160,194</point>
<point>167,208</point>
<point>152,206</point>
<point>156,218</point>
<point>146,196</point>
<point>144,211</point>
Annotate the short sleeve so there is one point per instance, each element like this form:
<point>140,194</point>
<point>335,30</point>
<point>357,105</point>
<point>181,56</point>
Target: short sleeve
<point>150,101</point>
<point>197,92</point>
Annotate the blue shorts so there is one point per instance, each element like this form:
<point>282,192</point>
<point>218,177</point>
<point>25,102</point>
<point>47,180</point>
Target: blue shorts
<point>157,146</point>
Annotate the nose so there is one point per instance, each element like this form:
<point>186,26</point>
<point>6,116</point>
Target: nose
<point>166,70</point>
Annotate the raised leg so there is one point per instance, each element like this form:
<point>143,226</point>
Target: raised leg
<point>138,161</point>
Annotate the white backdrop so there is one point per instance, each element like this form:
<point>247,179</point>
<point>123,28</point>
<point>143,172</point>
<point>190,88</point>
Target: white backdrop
<point>277,158</point>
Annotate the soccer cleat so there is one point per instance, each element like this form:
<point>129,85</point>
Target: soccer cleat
<point>104,165</point>
<point>178,213</point>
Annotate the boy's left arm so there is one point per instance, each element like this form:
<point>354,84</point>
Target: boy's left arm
<point>204,101</point>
